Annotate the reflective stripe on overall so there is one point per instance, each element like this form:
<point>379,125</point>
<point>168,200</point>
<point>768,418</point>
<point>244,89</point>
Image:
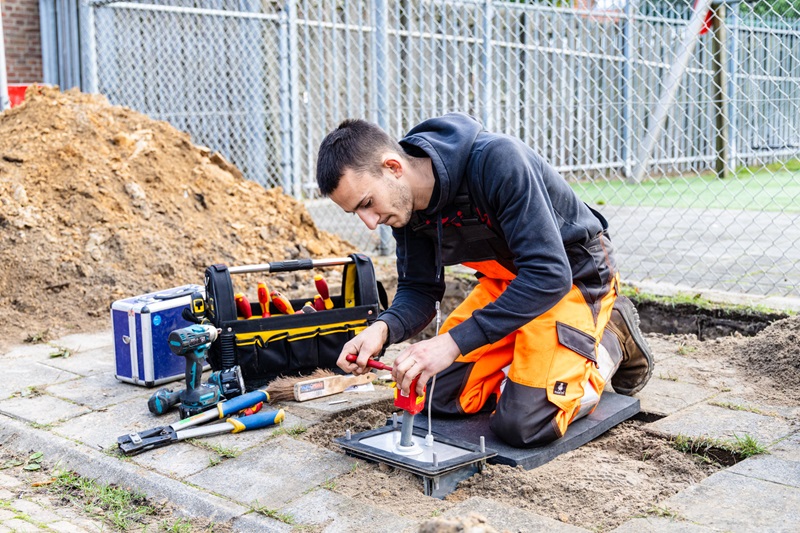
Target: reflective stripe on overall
<point>552,359</point>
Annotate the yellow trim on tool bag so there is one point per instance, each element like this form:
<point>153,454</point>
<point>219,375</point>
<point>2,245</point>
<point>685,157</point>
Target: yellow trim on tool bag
<point>350,286</point>
<point>246,339</point>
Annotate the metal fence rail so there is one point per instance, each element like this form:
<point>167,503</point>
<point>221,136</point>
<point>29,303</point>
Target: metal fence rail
<point>263,82</point>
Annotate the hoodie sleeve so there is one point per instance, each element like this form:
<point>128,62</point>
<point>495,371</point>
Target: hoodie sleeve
<point>513,180</point>
<point>418,286</point>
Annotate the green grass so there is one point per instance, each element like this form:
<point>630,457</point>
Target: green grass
<point>707,448</point>
<point>750,190</point>
<point>740,407</point>
<point>286,518</point>
<point>695,300</point>
<point>292,431</point>
<point>122,508</point>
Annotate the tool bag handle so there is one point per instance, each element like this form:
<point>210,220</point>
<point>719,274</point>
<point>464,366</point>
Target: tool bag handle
<point>290,265</point>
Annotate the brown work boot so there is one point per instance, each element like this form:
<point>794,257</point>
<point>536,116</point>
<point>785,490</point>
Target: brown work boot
<point>637,360</point>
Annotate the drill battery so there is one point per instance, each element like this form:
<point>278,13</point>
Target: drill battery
<point>141,326</point>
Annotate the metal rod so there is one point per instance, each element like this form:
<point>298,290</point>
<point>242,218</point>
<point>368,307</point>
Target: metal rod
<point>719,92</point>
<point>406,432</point>
<point>5,102</point>
<point>670,86</point>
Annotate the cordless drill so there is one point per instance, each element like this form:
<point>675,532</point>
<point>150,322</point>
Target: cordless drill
<point>192,343</point>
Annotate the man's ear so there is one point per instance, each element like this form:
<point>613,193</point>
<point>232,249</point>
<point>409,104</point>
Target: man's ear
<point>394,164</point>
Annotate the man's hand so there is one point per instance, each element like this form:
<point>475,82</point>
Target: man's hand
<point>425,359</point>
<point>364,345</point>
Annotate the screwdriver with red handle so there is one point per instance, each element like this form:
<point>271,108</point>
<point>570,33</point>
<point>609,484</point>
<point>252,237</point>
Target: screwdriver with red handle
<point>372,363</point>
<point>412,403</point>
<point>263,299</point>
<point>322,289</point>
<point>243,308</point>
<point>282,303</point>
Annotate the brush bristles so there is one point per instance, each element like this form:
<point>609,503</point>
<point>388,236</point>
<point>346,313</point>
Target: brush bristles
<point>282,388</point>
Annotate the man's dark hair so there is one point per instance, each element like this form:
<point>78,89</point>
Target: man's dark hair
<point>357,145</point>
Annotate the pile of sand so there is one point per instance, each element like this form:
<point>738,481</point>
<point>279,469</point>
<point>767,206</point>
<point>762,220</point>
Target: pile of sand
<point>99,202</point>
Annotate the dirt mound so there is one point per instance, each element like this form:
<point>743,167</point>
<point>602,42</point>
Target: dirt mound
<point>771,358</point>
<point>616,476</point>
<point>99,202</point>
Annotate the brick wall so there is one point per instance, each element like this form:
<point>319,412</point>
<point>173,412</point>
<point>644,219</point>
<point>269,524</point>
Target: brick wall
<point>22,41</point>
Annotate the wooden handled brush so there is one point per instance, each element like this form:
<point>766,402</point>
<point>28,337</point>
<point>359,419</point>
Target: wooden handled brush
<point>318,385</point>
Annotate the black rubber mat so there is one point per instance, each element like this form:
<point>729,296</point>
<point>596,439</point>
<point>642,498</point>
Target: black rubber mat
<point>612,409</point>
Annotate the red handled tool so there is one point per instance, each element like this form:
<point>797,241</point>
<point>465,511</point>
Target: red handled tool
<point>282,303</point>
<point>319,303</point>
<point>243,309</point>
<point>322,288</point>
<point>412,403</point>
<point>372,363</point>
<point>263,299</point>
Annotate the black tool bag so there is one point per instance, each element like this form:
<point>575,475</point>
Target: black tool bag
<point>266,348</point>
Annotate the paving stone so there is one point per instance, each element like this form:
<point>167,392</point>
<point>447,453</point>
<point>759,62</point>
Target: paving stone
<point>761,408</point>
<point>664,397</point>
<point>274,474</point>
<point>686,369</point>
<point>508,518</point>
<point>4,529</point>
<point>100,390</point>
<point>657,524</point>
<point>5,514</point>
<point>788,448</point>
<point>42,409</point>
<point>733,502</point>
<point>29,352</point>
<point>100,429</point>
<point>65,527</point>
<point>9,482</point>
<point>86,363</point>
<point>5,494</point>
<point>90,526</point>
<point>178,460</point>
<point>35,511</point>
<point>249,439</point>
<point>709,421</point>
<point>23,374</point>
<point>21,526</point>
<point>339,514</point>
<point>85,342</point>
<point>257,523</point>
<point>769,468</point>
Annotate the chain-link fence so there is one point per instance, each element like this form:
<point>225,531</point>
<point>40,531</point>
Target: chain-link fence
<point>683,128</point>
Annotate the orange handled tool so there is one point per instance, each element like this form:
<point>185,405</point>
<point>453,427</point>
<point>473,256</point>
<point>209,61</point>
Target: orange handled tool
<point>243,309</point>
<point>263,299</point>
<point>322,288</point>
<point>282,303</point>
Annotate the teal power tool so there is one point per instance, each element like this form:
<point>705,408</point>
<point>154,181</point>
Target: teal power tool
<point>192,343</point>
<point>157,437</point>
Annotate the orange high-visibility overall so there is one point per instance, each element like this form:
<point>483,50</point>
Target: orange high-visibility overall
<point>553,359</point>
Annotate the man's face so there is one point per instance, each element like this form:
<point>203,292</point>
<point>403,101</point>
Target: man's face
<point>384,199</point>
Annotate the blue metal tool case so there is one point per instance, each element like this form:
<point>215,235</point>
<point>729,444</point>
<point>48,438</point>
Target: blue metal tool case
<point>141,325</point>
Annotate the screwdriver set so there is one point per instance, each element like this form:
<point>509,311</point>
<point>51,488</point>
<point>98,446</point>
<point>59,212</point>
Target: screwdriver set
<point>282,336</point>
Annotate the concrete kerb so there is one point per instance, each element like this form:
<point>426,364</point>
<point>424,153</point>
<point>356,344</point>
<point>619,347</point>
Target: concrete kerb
<point>89,463</point>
